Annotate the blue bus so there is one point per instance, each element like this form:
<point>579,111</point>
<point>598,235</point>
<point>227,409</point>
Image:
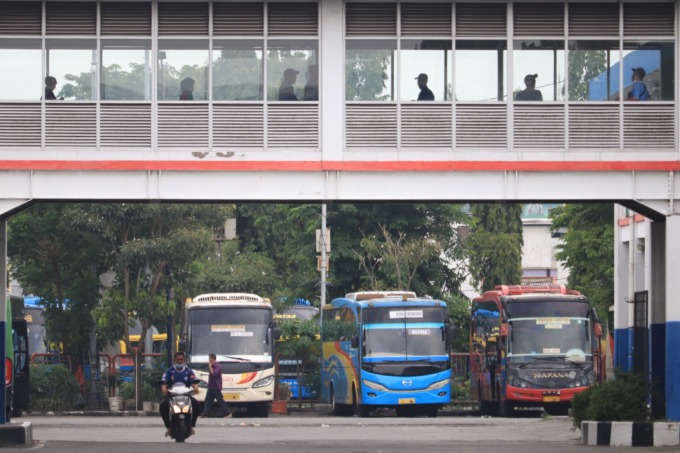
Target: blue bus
<point>387,349</point>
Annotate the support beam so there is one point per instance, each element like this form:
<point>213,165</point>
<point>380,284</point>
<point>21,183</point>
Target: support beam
<point>672,320</point>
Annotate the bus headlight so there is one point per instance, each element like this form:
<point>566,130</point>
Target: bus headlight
<point>439,384</point>
<point>263,382</point>
<point>374,385</point>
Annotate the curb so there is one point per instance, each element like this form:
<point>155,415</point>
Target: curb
<point>631,434</point>
<point>16,434</point>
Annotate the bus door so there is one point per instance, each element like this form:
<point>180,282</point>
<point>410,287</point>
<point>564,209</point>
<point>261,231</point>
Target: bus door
<point>20,400</point>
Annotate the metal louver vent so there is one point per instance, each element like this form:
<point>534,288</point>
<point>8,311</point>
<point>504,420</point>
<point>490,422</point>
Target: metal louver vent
<point>426,19</point>
<point>487,19</point>
<point>648,19</point>
<point>293,126</point>
<point>539,19</point>
<point>183,125</point>
<point>371,125</point>
<point>20,125</point>
<point>126,18</point>
<point>594,126</point>
<point>240,126</point>
<point>299,19</point>
<point>238,19</point>
<point>371,19</point>
<point>649,126</point>
<point>71,18</point>
<point>125,125</point>
<point>20,18</point>
<point>182,19</point>
<point>593,19</point>
<point>539,126</point>
<point>426,126</point>
<point>481,126</point>
<point>72,125</point>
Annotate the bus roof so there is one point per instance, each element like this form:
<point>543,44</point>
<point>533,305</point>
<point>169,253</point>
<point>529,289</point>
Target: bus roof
<point>369,295</point>
<point>395,301</point>
<point>227,299</point>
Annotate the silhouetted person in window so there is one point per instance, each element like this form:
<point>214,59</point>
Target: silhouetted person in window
<point>312,87</point>
<point>639,90</point>
<point>425,93</point>
<point>530,93</point>
<point>186,87</point>
<point>50,85</point>
<point>286,90</point>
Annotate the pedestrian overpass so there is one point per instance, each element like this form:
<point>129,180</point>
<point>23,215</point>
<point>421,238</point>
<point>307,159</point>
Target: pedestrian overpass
<point>123,134</point>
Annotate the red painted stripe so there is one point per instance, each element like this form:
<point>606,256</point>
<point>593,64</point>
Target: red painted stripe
<point>353,166</point>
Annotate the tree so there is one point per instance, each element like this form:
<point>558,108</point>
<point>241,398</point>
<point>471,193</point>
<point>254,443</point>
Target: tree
<point>52,259</point>
<point>366,74</point>
<point>585,65</point>
<point>587,249</point>
<point>495,245</point>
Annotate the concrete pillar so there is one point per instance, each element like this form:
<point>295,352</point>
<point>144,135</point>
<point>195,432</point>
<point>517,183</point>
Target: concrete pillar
<point>655,251</point>
<point>672,319</point>
<point>3,321</point>
<point>622,320</point>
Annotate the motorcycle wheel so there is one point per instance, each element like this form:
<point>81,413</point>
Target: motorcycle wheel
<point>179,432</point>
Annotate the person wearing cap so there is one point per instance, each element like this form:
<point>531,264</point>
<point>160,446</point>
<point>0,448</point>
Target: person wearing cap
<point>638,92</point>
<point>286,90</point>
<point>530,93</point>
<point>425,93</point>
<point>186,87</point>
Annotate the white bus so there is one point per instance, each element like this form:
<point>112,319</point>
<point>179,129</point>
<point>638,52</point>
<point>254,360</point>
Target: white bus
<point>239,329</point>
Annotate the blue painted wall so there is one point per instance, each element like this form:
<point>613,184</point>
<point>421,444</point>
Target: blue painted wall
<point>623,358</point>
<point>673,370</point>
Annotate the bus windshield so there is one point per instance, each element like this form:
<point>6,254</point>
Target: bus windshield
<point>555,336</point>
<point>230,332</point>
<point>404,332</point>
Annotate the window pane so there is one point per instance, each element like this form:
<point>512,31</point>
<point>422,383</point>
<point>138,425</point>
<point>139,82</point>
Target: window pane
<point>538,73</point>
<point>21,75</point>
<point>73,63</point>
<point>286,61</point>
<point>658,62</point>
<point>432,58</point>
<point>183,70</point>
<point>369,70</point>
<point>237,70</point>
<point>480,70</point>
<point>593,70</point>
<point>126,70</point>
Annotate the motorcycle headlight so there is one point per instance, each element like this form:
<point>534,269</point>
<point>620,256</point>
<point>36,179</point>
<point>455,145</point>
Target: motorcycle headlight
<point>263,382</point>
<point>439,384</point>
<point>176,409</point>
<point>374,385</point>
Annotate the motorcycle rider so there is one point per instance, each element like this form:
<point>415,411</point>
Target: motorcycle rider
<point>178,372</point>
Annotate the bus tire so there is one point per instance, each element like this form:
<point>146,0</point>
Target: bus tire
<point>506,409</point>
<point>258,410</point>
<point>430,410</point>
<point>340,410</point>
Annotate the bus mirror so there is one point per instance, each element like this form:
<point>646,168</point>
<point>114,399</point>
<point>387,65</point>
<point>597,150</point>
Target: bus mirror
<point>276,332</point>
<point>598,329</point>
<point>451,332</point>
<point>354,343</point>
<point>504,330</point>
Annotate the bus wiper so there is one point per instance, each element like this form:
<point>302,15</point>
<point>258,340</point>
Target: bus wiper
<point>240,359</point>
<point>551,358</point>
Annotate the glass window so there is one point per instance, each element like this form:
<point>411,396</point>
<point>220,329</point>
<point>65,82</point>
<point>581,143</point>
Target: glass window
<point>656,61</point>
<point>183,70</point>
<point>425,70</point>
<point>126,70</point>
<point>593,70</point>
<point>292,70</point>
<point>369,70</point>
<point>480,70</point>
<point>73,64</point>
<point>237,70</point>
<point>538,70</point>
<point>21,75</point>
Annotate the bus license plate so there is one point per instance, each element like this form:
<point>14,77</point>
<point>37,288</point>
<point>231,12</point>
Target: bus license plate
<point>407,401</point>
<point>230,396</point>
<point>551,399</point>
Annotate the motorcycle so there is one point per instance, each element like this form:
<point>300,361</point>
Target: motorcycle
<point>180,411</point>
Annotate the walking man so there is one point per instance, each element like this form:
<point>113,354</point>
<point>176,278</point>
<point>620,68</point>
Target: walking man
<point>214,388</point>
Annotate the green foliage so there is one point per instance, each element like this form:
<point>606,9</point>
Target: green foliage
<point>300,340</point>
<point>366,74</point>
<point>584,66</point>
<point>495,245</point>
<point>622,399</point>
<point>460,389</point>
<point>459,313</point>
<point>53,388</point>
<point>127,390</point>
<point>587,249</point>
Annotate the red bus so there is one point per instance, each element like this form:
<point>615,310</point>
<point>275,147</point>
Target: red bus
<point>532,347</point>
